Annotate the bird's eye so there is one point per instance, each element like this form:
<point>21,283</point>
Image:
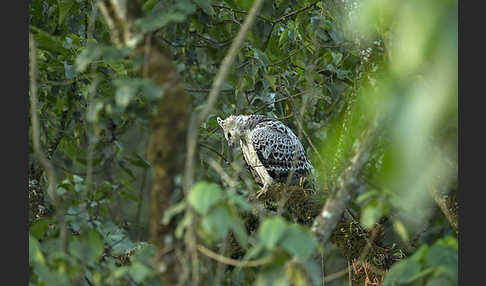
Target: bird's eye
<point>229,136</point>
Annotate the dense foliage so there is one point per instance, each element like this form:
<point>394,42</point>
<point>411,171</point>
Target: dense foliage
<point>338,73</point>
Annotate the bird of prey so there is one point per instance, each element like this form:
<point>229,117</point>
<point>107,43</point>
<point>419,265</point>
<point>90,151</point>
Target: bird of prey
<point>271,150</point>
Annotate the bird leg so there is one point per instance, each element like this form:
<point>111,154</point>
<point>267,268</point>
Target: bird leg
<point>262,191</point>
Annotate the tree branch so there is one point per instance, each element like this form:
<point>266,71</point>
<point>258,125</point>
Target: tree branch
<point>330,214</point>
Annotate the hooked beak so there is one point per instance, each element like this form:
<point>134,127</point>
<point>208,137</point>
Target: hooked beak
<point>231,142</point>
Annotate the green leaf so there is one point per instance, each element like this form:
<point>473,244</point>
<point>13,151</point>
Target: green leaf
<point>58,256</point>
<point>261,56</point>
<point>402,272</point>
<point>204,196</point>
<point>272,276</point>
<point>122,165</point>
<point>78,179</point>
<point>271,80</point>
<point>120,272</point>
<point>138,271</point>
<point>69,71</point>
<point>145,253</point>
<point>299,242</point>
<point>119,67</point>
<point>422,273</point>
<point>366,196</point>
<point>239,201</point>
<point>88,55</point>
<point>50,277</point>
<point>151,23</point>
<point>271,231</point>
<point>420,253</point>
<point>336,58</point>
<point>217,223</point>
<point>48,42</point>
<point>440,281</point>
<point>147,6</point>
<point>38,228</point>
<point>239,231</point>
<point>283,38</point>
<point>400,229</point>
<point>162,15</point>
<point>88,249</point>
<point>64,8</point>
<point>448,241</point>
<point>128,88</point>
<point>296,274</point>
<point>445,258</point>
<point>38,262</point>
<point>205,5</point>
<point>35,254</point>
<point>96,247</point>
<point>116,241</point>
<point>94,51</point>
<point>150,90</point>
<point>254,251</point>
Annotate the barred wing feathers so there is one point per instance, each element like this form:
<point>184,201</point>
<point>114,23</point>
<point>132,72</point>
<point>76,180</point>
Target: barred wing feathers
<point>277,147</point>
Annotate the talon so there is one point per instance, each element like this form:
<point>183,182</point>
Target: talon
<point>260,193</point>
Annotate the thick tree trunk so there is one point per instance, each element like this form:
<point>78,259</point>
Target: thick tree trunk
<point>166,153</point>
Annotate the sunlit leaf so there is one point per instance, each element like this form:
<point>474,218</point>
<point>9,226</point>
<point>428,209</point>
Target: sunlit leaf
<point>370,215</point>
<point>35,254</point>
<point>400,229</point>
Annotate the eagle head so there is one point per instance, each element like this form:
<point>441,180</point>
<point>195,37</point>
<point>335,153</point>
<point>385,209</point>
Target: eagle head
<point>232,127</point>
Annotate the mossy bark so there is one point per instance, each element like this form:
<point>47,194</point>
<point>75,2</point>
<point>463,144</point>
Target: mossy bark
<point>166,152</point>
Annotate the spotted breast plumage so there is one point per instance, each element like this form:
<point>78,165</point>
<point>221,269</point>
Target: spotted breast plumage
<point>271,150</point>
